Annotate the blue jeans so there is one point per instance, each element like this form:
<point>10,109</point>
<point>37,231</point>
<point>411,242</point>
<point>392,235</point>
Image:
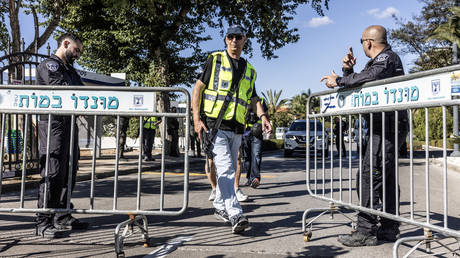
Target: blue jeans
<point>225,149</point>
<point>252,157</point>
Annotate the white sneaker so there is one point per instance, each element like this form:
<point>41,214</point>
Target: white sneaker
<point>240,195</point>
<point>212,196</point>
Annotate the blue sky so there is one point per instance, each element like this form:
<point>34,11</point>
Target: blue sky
<point>323,42</point>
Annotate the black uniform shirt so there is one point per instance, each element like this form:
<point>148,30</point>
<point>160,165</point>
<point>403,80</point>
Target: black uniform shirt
<point>238,68</point>
<point>385,65</point>
<point>52,71</point>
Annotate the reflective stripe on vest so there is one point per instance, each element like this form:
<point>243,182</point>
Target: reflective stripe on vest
<point>216,73</point>
<point>222,98</point>
<point>217,89</point>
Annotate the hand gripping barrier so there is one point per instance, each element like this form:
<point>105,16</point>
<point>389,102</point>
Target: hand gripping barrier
<point>71,101</point>
<point>423,199</point>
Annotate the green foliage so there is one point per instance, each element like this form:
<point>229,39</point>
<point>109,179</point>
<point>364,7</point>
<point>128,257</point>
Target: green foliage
<point>412,36</point>
<point>132,36</point>
<point>109,127</point>
<point>4,35</point>
<point>450,30</point>
<point>46,15</point>
<point>273,101</point>
<point>281,119</point>
<point>434,122</point>
<point>298,104</point>
<point>456,140</point>
<point>133,128</point>
<point>272,144</point>
<point>418,145</point>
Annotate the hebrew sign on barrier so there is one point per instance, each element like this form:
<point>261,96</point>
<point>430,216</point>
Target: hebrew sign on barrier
<point>76,100</point>
<point>433,88</point>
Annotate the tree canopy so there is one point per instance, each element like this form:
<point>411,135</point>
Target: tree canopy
<point>450,30</point>
<point>163,39</point>
<point>49,12</point>
<point>429,36</point>
<point>413,36</point>
<point>273,101</point>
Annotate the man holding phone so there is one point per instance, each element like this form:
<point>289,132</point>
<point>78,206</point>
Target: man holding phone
<point>384,63</point>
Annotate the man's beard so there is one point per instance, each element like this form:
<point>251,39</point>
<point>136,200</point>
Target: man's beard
<point>70,58</point>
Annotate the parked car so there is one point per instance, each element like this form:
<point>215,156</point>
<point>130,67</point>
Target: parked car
<point>279,132</point>
<point>295,138</point>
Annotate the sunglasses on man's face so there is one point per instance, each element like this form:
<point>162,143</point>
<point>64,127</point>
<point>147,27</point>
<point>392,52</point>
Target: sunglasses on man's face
<point>232,36</point>
<point>362,40</point>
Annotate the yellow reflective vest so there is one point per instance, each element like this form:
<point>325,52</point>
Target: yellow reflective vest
<point>219,85</point>
<point>149,122</point>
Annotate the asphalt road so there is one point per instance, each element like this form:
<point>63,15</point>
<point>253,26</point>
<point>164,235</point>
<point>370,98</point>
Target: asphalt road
<point>274,210</point>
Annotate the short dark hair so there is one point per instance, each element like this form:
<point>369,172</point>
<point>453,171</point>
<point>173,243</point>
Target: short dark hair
<point>67,35</point>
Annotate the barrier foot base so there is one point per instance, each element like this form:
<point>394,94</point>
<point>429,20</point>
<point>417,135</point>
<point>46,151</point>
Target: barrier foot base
<point>307,228</point>
<point>135,223</point>
<point>428,238</point>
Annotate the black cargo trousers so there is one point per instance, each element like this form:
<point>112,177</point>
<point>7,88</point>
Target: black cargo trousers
<point>368,223</point>
<point>58,172</point>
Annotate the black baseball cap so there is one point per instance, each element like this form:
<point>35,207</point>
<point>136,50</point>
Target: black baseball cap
<point>235,30</point>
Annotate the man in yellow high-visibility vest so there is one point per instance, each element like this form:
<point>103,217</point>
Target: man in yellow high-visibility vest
<point>148,131</point>
<point>226,76</point>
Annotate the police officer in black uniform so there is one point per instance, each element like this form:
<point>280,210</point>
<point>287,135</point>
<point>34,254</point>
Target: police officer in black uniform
<point>384,63</point>
<point>58,70</point>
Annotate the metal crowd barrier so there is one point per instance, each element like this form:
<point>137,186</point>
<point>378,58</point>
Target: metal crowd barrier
<point>333,179</point>
<point>96,101</point>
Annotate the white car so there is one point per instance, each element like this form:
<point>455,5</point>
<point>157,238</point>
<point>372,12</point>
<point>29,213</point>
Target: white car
<point>295,138</point>
<point>279,133</point>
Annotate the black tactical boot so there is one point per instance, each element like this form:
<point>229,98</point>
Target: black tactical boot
<point>357,239</point>
<point>388,234</point>
<point>48,231</point>
<point>70,223</point>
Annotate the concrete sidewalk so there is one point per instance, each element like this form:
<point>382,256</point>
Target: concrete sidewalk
<point>453,163</point>
<point>105,167</point>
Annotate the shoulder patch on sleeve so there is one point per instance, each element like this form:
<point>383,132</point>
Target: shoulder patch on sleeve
<point>52,66</point>
<point>382,57</point>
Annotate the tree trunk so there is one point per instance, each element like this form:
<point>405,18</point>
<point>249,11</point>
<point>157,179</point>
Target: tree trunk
<point>16,72</point>
<point>159,78</point>
<point>164,107</point>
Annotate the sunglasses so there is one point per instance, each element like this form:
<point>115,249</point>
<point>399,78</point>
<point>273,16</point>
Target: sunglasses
<point>232,36</point>
<point>362,40</point>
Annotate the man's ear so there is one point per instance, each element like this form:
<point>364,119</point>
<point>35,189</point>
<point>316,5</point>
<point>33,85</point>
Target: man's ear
<point>66,43</point>
<point>370,44</point>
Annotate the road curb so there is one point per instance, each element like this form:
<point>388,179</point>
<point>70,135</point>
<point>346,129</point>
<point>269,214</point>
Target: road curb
<point>453,163</point>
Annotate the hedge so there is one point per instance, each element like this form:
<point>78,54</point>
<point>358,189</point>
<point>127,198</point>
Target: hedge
<point>272,144</point>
